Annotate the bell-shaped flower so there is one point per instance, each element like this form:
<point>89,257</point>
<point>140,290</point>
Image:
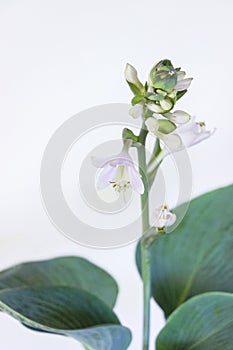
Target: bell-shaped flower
<point>183,136</point>
<point>118,172</point>
<point>164,218</point>
<point>188,135</point>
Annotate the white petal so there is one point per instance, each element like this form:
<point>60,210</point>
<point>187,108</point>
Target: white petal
<point>135,180</point>
<point>163,217</point>
<point>152,125</point>
<point>180,75</point>
<point>106,175</point>
<point>190,126</point>
<point>183,84</point>
<point>172,219</point>
<point>166,104</point>
<point>202,136</point>
<point>179,117</point>
<point>173,142</point>
<point>122,159</point>
<point>131,74</point>
<point>107,194</point>
<point>172,94</point>
<point>136,111</point>
<point>155,108</point>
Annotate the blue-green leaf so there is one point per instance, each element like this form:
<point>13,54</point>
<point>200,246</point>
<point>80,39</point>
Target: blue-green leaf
<point>205,322</point>
<point>67,311</point>
<point>197,257</point>
<point>68,271</point>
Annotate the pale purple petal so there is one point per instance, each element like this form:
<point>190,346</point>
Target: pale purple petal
<point>163,217</point>
<point>189,138</point>
<point>190,126</point>
<point>183,84</point>
<point>121,159</point>
<point>180,75</point>
<point>135,179</point>
<point>171,219</point>
<point>106,175</point>
<point>202,136</point>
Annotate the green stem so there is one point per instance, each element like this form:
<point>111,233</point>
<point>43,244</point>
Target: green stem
<point>155,152</point>
<point>145,251</point>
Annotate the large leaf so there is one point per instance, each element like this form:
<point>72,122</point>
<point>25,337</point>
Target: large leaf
<point>198,256</point>
<point>203,323</point>
<point>66,271</point>
<point>67,311</point>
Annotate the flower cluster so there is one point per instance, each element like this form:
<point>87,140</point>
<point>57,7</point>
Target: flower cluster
<point>155,100</point>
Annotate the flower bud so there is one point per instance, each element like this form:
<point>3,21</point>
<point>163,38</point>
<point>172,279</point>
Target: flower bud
<point>134,83</point>
<point>163,76</point>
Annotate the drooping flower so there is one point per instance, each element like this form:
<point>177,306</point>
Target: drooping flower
<point>164,218</point>
<point>183,136</point>
<point>190,134</point>
<point>118,172</point>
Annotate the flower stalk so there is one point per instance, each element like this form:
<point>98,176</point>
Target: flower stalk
<point>145,250</point>
<point>174,130</point>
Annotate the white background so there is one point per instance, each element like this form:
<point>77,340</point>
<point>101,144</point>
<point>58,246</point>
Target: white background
<point>60,57</point>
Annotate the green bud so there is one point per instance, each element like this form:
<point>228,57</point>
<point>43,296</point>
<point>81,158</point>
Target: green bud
<point>166,126</point>
<point>128,134</point>
<point>166,103</point>
<point>163,65</point>
<point>163,76</point>
<point>165,80</point>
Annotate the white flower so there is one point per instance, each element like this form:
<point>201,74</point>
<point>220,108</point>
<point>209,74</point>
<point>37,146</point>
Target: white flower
<point>136,111</point>
<point>164,218</point>
<point>184,136</point>
<point>118,172</point>
<point>187,135</point>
